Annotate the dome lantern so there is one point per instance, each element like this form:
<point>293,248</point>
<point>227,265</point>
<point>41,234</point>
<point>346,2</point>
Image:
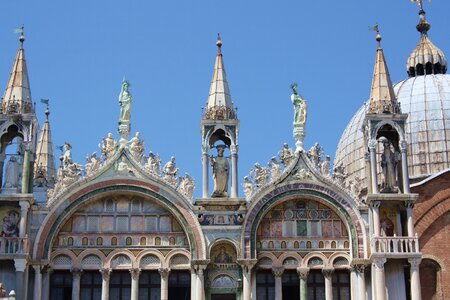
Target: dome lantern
<point>426,58</point>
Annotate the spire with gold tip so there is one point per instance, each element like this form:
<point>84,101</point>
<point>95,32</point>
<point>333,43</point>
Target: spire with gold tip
<point>17,97</point>
<point>382,96</point>
<point>219,105</point>
<point>426,58</point>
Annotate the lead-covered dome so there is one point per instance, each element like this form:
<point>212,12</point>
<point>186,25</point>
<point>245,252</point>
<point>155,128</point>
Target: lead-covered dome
<point>426,99</point>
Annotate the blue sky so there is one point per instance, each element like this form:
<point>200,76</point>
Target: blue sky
<point>79,51</point>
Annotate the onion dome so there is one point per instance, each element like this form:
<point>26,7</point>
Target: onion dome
<point>426,58</point>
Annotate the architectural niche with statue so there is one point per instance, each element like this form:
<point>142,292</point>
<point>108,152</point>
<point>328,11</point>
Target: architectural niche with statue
<point>126,225</point>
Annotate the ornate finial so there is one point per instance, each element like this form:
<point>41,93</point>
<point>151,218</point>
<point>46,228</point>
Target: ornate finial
<point>219,42</point>
<point>22,36</point>
<point>47,111</point>
<point>378,36</point>
<point>423,25</point>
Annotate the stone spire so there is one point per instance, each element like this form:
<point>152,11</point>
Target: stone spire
<point>17,97</point>
<point>426,58</point>
<point>44,165</point>
<point>382,96</point>
<point>219,105</point>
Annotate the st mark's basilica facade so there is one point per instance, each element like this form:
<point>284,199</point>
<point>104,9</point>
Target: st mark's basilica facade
<point>126,225</point>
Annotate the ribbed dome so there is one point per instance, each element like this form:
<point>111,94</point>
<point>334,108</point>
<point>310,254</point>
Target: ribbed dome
<point>426,99</point>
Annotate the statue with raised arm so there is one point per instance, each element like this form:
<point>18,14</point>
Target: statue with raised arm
<point>125,100</point>
<point>300,107</point>
<point>220,169</point>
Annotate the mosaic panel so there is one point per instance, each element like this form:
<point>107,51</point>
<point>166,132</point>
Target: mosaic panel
<point>301,224</point>
<point>9,218</point>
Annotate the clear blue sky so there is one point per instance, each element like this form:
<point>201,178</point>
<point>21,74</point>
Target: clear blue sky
<point>79,51</point>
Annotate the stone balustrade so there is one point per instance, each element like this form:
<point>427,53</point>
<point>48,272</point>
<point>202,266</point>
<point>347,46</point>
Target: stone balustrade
<point>12,246</point>
<point>395,245</point>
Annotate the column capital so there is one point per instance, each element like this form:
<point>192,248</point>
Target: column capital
<point>378,263</point>
<point>303,272</point>
<point>327,272</point>
<point>234,149</point>
<point>24,205</point>
<point>403,146</point>
<point>409,204</point>
<point>106,272</point>
<point>20,264</point>
<point>135,273</point>
<point>277,271</point>
<point>359,265</point>
<point>414,263</point>
<point>247,264</point>
<point>375,204</point>
<point>164,272</point>
<point>76,271</point>
<point>38,268</point>
<point>372,144</point>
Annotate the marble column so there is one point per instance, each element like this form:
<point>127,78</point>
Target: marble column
<point>24,206</point>
<point>409,218</point>
<point>373,165</point>
<point>26,172</point>
<point>193,284</point>
<point>375,205</point>
<point>21,266</point>
<point>205,178</point>
<point>37,282</point>
<point>200,283</point>
<point>47,272</point>
<point>380,282</point>
<point>247,266</point>
<point>253,295</point>
<point>234,171</point>
<point>358,282</point>
<point>405,173</point>
<point>105,282</point>
<point>277,272</point>
<point>328,275</point>
<point>303,275</point>
<point>76,278</point>
<point>415,279</point>
<point>164,272</point>
<point>135,283</point>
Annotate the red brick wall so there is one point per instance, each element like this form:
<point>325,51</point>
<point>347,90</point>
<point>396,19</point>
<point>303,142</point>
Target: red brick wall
<point>432,222</point>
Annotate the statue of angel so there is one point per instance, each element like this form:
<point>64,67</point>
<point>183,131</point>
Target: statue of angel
<point>153,164</point>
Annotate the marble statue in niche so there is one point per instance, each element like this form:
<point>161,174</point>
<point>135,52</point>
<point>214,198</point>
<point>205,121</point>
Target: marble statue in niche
<point>220,170</point>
